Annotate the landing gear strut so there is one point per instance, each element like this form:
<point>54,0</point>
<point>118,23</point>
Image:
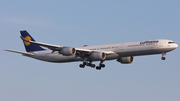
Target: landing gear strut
<point>90,64</point>
<point>163,58</point>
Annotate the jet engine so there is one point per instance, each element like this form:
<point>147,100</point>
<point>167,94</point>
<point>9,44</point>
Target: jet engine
<point>67,51</point>
<point>126,60</point>
<point>97,56</point>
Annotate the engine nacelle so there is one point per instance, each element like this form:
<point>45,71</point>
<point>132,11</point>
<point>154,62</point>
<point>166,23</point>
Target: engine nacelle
<point>97,56</point>
<point>126,60</point>
<point>67,51</point>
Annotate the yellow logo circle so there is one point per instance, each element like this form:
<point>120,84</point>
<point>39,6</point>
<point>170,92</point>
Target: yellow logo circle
<point>27,38</point>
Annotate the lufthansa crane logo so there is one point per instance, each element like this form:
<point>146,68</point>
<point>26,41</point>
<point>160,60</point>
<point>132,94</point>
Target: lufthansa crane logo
<point>27,38</point>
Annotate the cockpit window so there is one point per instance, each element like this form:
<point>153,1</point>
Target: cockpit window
<point>170,42</point>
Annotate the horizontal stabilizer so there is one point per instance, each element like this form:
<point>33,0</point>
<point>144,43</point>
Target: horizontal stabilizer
<point>23,53</point>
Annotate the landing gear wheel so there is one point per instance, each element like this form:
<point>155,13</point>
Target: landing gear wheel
<point>85,63</point>
<point>102,65</point>
<point>163,58</point>
<point>98,68</point>
<point>81,66</point>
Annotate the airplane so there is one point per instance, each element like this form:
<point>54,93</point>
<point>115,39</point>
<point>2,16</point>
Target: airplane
<point>122,52</point>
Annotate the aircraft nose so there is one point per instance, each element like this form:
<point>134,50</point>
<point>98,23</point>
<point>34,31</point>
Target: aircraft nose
<point>176,45</point>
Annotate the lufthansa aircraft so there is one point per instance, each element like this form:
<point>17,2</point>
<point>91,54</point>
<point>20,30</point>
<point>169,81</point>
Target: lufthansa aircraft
<point>122,52</point>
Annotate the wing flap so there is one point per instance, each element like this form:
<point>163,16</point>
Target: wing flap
<point>87,51</point>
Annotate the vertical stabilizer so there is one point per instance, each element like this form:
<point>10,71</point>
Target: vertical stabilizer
<point>29,46</point>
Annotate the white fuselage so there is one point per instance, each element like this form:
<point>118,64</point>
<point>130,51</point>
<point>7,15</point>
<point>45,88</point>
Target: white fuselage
<point>119,50</point>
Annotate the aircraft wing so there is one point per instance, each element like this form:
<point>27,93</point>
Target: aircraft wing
<point>23,53</point>
<point>52,47</point>
<point>79,51</point>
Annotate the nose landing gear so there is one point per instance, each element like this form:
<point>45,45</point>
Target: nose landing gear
<point>163,58</point>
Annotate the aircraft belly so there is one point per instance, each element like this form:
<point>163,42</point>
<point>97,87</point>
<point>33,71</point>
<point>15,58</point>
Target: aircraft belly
<point>44,57</point>
<point>58,58</point>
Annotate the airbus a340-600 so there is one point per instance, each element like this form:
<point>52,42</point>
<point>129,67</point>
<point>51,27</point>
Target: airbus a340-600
<point>122,52</point>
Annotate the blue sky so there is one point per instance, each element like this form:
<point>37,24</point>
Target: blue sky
<point>77,23</point>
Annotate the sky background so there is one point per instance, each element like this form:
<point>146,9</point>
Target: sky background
<point>89,22</point>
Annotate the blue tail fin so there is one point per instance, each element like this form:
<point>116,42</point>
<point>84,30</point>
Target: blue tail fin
<point>29,46</point>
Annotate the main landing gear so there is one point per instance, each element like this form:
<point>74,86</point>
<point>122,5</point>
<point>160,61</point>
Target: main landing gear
<point>87,64</point>
<point>163,58</point>
<point>100,65</point>
<point>92,65</point>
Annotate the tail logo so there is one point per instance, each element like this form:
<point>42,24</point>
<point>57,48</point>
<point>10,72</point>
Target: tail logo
<point>27,38</point>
